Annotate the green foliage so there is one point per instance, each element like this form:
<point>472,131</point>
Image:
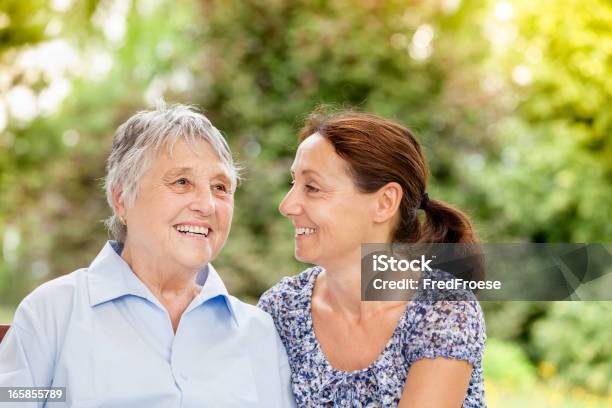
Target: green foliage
<point>513,320</point>
<point>512,109</point>
<point>6,314</point>
<point>506,363</point>
<point>21,22</point>
<point>574,341</point>
<point>555,150</point>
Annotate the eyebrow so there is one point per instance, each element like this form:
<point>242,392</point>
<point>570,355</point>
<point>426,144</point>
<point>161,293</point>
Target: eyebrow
<point>221,174</point>
<point>224,177</point>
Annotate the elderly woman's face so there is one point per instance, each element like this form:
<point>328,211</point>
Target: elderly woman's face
<point>332,218</point>
<point>183,210</point>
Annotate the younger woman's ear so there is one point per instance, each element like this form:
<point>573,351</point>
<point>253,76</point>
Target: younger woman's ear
<point>388,201</point>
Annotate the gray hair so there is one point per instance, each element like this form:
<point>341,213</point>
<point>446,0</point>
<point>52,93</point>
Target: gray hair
<point>146,133</point>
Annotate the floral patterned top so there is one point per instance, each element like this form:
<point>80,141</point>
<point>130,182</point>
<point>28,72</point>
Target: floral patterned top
<point>427,329</point>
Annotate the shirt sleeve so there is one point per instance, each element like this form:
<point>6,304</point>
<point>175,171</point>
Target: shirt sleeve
<point>287,397</point>
<point>26,360</point>
<point>448,329</point>
<point>268,302</point>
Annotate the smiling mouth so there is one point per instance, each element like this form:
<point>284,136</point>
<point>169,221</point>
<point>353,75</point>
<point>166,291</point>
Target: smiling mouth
<point>303,231</point>
<point>193,230</point>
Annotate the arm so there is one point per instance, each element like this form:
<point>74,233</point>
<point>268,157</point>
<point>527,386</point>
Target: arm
<point>442,351</point>
<point>25,358</point>
<point>437,383</point>
<point>287,397</point>
<point>268,302</point>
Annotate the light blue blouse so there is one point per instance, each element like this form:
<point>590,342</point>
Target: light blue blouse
<point>102,334</point>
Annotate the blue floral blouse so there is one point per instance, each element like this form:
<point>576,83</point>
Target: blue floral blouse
<point>427,329</point>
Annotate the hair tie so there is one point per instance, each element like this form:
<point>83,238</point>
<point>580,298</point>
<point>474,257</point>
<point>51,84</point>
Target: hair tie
<point>424,201</point>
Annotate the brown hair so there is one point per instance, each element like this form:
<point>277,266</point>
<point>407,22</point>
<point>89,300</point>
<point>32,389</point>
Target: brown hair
<point>379,151</point>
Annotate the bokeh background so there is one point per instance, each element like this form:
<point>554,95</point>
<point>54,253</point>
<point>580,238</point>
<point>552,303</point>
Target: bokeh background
<point>512,101</point>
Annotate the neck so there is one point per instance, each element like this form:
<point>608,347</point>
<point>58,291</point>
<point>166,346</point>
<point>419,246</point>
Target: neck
<point>164,281</point>
<point>340,287</point>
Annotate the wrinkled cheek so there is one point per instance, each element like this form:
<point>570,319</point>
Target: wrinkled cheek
<point>226,215</point>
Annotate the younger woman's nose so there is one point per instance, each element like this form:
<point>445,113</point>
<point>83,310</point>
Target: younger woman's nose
<point>290,204</point>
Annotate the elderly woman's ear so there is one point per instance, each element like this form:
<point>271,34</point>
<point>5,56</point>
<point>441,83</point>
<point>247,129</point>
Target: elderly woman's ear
<point>119,204</point>
<point>387,202</point>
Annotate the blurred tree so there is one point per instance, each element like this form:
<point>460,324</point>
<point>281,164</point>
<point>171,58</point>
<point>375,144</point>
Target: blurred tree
<point>574,344</point>
<point>510,100</point>
<point>556,147</point>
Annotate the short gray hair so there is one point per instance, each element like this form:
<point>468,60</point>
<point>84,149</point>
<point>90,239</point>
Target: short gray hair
<point>146,133</point>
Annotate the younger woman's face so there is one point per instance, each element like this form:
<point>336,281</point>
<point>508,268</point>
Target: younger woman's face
<point>331,217</point>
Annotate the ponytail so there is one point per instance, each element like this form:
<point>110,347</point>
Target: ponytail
<point>442,223</point>
<point>445,224</point>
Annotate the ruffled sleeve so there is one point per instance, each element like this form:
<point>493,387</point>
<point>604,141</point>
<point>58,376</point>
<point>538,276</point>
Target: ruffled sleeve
<point>448,329</point>
<point>268,302</point>
<point>288,304</point>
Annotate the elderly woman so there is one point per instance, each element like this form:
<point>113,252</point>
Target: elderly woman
<point>149,322</point>
<point>358,178</point>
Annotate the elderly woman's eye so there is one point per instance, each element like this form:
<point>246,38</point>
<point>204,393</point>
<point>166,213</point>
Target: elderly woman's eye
<point>182,181</point>
<point>311,189</point>
<point>221,187</point>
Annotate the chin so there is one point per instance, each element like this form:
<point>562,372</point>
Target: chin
<point>195,262</point>
<point>305,258</point>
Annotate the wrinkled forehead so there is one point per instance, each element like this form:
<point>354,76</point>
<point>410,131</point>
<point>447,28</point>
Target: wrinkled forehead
<point>197,146</point>
<point>196,156</point>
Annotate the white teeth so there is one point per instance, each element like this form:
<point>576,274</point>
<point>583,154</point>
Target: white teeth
<point>193,229</point>
<point>305,231</point>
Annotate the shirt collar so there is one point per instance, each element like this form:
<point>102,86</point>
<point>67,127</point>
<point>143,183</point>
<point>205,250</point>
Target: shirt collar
<point>110,277</point>
<point>212,287</point>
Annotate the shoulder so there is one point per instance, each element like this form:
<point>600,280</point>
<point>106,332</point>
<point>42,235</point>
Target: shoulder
<point>46,311</point>
<point>249,316</point>
<point>451,314</point>
<point>447,324</point>
<point>452,310</point>
<point>55,297</point>
<point>290,292</point>
<point>257,326</point>
<point>446,328</point>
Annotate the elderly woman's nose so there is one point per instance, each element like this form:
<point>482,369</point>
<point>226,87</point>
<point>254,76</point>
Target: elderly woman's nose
<point>290,205</point>
<point>203,201</point>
